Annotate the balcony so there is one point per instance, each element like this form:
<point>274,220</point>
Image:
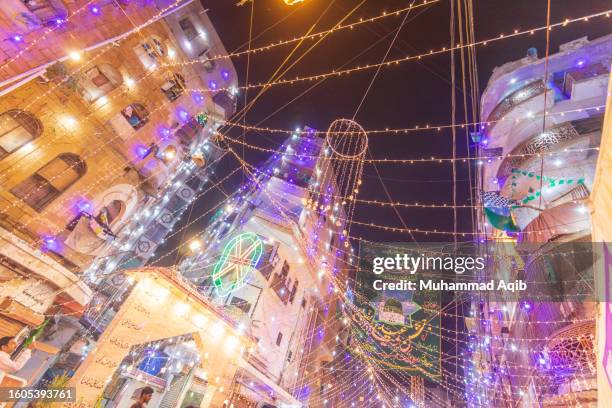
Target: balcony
<point>49,268</point>
<point>547,141</point>
<point>516,98</point>
<point>550,224</point>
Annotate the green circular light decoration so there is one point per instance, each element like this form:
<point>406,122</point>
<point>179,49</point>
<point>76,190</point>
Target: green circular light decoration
<point>240,255</point>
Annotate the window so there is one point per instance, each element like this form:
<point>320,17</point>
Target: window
<point>285,270</point>
<point>207,62</point>
<point>188,29</point>
<point>279,339</point>
<point>226,101</point>
<point>150,51</point>
<point>293,292</point>
<point>187,133</point>
<point>48,183</point>
<point>99,81</point>
<point>136,115</point>
<point>281,283</point>
<point>174,87</point>
<point>17,128</point>
<point>241,304</point>
<point>47,11</point>
<point>111,212</point>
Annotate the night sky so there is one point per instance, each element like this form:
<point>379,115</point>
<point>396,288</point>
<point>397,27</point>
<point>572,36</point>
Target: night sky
<point>412,93</point>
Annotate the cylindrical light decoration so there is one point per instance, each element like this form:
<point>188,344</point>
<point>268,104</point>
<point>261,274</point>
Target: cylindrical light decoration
<point>341,168</point>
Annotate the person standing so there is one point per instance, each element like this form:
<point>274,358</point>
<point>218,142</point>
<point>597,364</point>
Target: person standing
<point>7,347</point>
<point>145,396</point>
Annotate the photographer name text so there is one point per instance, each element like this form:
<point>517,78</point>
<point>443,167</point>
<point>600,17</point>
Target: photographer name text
<point>441,285</point>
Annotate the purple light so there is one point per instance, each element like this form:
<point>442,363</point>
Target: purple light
<point>141,151</point>
<point>51,243</point>
<point>83,206</point>
<point>183,115</point>
<point>485,142</point>
<point>17,38</point>
<point>580,63</point>
<point>525,305</point>
<point>225,74</point>
<point>59,21</point>
<point>95,9</point>
<point>212,85</point>
<point>198,97</point>
<point>164,132</point>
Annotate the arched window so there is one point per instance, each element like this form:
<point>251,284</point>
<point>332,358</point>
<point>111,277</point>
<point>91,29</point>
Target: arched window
<point>113,210</point>
<point>136,115</point>
<point>50,181</point>
<point>100,80</point>
<point>17,128</point>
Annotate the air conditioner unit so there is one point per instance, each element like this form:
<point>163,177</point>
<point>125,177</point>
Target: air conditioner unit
<point>167,219</point>
<point>145,247</point>
<point>185,193</point>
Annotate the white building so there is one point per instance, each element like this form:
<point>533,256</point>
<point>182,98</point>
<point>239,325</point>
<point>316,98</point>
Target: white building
<point>539,143</point>
<point>288,300</point>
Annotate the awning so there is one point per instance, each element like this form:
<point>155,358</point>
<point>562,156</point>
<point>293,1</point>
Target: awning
<point>563,219</point>
<point>44,267</point>
<point>283,396</point>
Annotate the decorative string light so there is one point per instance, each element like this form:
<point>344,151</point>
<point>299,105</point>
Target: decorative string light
<point>59,22</point>
<point>416,128</point>
<point>431,159</point>
<point>392,62</point>
<point>316,35</point>
<point>381,368</point>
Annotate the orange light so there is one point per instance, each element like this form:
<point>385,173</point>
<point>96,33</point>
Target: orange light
<point>292,2</point>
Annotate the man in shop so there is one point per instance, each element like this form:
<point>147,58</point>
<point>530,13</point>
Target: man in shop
<point>145,396</point>
<point>7,347</point>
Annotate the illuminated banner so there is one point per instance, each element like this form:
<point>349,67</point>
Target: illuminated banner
<point>398,328</point>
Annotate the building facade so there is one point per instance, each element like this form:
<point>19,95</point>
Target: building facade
<point>289,223</point>
<point>538,145</point>
<point>107,117</point>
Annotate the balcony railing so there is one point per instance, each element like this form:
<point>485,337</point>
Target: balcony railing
<point>540,143</point>
<point>516,98</point>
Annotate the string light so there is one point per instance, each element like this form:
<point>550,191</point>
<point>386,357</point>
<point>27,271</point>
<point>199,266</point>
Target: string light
<point>379,396</point>
<point>431,159</point>
<point>416,128</point>
<point>387,63</point>
<point>319,34</point>
<point>60,21</point>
